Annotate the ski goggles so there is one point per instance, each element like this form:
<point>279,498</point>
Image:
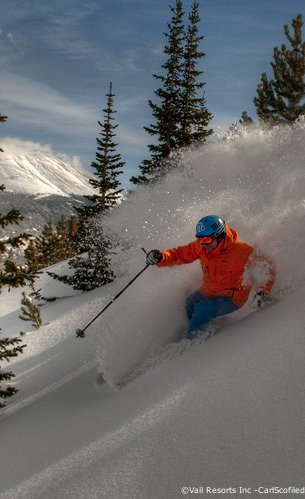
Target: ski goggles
<point>205,240</point>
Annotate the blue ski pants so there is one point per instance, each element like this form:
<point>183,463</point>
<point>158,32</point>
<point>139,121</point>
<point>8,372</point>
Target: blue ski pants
<point>201,310</point>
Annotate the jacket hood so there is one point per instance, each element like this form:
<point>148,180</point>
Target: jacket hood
<point>230,238</point>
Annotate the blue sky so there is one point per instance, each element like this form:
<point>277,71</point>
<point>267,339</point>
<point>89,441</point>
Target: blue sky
<point>58,58</point>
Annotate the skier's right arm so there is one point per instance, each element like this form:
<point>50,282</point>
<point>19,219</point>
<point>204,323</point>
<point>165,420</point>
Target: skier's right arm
<point>180,255</point>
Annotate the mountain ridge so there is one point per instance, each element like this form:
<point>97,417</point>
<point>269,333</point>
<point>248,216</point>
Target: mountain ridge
<point>43,175</point>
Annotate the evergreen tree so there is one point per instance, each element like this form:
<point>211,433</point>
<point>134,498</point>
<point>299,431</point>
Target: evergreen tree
<point>46,246</point>
<point>107,167</point>
<point>72,227</point>
<point>93,269</point>
<point>74,231</point>
<point>181,117</point>
<point>64,230</point>
<point>31,255</point>
<point>194,115</point>
<point>31,312</point>
<point>167,114</point>
<point>53,246</point>
<point>279,100</point>
<point>6,352</point>
<point>11,275</point>
<point>246,120</point>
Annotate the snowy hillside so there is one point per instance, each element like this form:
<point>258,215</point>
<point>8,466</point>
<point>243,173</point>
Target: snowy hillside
<point>42,175</point>
<point>212,418</point>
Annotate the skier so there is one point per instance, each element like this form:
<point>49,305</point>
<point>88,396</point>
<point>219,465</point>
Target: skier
<point>223,259</point>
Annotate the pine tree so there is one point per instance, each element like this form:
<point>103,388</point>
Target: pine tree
<point>14,276</point>
<point>72,227</point>
<point>182,117</point>
<point>167,114</point>
<point>10,273</point>
<point>93,269</point>
<point>64,229</point>
<point>74,231</point>
<point>31,255</point>
<point>194,115</point>
<point>6,352</point>
<point>46,246</point>
<point>107,167</point>
<point>279,100</point>
<point>246,120</point>
<point>53,246</point>
<point>31,312</point>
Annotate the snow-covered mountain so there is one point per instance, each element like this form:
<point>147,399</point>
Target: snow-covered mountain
<point>223,418</point>
<point>42,188</point>
<point>39,175</point>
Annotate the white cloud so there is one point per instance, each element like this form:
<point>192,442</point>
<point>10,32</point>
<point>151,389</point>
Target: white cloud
<point>131,140</point>
<point>158,50</point>
<point>131,62</point>
<point>35,102</point>
<point>14,147</point>
<point>62,33</point>
<point>71,160</point>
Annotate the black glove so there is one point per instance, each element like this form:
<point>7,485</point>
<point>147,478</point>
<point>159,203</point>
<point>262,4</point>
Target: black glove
<point>260,300</point>
<point>153,257</point>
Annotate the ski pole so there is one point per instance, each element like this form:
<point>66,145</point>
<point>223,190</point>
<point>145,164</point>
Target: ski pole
<point>80,333</point>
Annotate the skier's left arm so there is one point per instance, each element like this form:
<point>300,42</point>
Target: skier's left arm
<point>269,267</point>
<point>263,272</point>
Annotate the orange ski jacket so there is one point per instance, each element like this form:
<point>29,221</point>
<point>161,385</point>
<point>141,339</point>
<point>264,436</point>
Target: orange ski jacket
<point>222,269</point>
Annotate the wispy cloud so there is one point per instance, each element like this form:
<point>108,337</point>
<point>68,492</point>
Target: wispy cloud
<point>158,50</point>
<point>131,62</point>
<point>33,102</point>
<point>14,147</point>
<point>63,34</point>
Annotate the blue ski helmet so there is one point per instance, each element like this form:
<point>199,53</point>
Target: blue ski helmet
<point>211,225</point>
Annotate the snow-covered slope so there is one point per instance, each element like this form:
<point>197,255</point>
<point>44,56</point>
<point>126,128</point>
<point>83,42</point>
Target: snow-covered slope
<point>223,414</point>
<point>42,175</point>
<point>226,413</point>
